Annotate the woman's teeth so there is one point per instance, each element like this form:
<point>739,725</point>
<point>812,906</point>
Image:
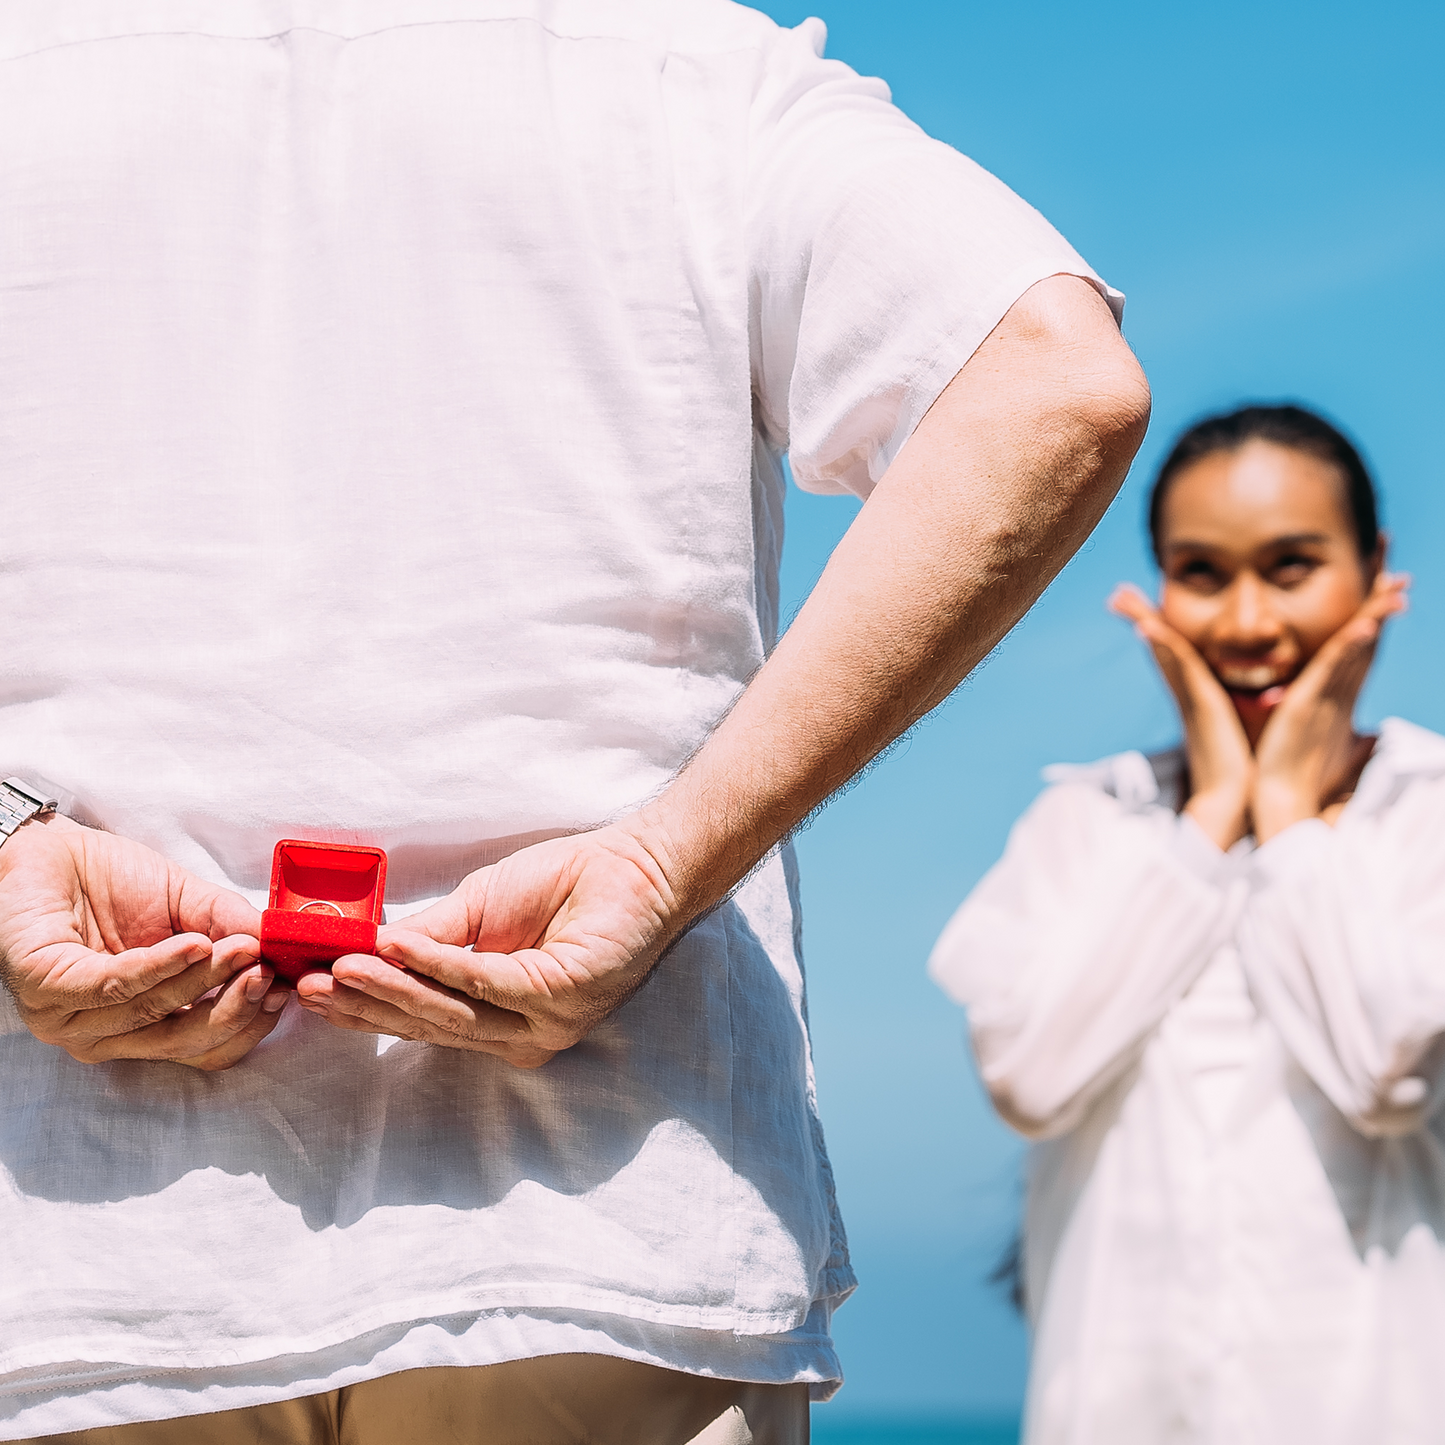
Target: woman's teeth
<point>1250,679</point>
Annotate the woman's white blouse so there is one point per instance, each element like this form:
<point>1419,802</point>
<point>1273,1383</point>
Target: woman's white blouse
<point>1232,1063</point>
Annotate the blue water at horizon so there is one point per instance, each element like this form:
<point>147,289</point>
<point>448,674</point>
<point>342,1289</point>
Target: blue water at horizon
<point>903,1430</point>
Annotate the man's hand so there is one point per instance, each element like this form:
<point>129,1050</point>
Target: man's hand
<point>521,961</point>
<point>1309,755</point>
<point>112,952</point>
<point>1221,762</point>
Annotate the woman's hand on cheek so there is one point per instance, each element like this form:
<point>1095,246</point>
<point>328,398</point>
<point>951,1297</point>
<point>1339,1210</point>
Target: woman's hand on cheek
<point>1309,754</point>
<point>1221,765</point>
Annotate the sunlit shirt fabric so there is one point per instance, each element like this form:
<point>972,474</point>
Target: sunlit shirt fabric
<point>1232,1062</point>
<point>392,397</point>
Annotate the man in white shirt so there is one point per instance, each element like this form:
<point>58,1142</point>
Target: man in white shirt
<point>393,401</point>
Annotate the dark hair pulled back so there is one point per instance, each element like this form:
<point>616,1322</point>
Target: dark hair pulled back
<point>1284,426</point>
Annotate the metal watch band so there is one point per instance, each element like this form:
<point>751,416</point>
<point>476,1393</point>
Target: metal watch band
<point>19,803</point>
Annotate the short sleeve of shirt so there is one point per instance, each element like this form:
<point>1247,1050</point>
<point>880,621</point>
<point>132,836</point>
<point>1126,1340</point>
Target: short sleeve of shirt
<point>879,260</point>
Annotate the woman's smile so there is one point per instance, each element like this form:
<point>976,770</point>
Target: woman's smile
<point>1261,566</point>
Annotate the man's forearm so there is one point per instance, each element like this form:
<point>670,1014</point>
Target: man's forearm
<point>998,487</point>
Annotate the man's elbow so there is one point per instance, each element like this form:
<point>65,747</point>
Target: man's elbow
<point>1086,376</point>
<point>1102,384</point>
<point>1115,405</point>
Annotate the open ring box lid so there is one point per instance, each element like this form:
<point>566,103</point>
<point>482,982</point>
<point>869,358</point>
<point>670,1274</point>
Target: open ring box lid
<point>325,902</point>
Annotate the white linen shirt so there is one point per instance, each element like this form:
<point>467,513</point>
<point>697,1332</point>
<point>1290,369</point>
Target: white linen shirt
<point>1233,1061</point>
<point>392,397</point>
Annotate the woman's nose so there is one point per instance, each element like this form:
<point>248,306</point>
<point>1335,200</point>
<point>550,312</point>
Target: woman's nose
<point>1248,620</point>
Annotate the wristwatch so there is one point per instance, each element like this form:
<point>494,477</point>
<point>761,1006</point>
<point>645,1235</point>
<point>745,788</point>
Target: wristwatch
<point>19,803</point>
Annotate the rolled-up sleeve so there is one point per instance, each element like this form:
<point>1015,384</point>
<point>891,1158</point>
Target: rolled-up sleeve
<point>1075,945</point>
<point>879,259</point>
<point>1343,943</point>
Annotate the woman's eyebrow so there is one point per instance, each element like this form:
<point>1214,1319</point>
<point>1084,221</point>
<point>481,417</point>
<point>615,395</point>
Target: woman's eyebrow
<point>1289,539</point>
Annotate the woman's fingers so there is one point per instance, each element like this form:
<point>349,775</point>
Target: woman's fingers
<point>1126,600</point>
<point>1308,752</point>
<point>1221,764</point>
<point>1129,602</point>
<point>1188,676</point>
<point>1340,667</point>
<point>1389,595</point>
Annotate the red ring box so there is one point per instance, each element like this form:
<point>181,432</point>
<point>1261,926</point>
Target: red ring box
<point>325,902</point>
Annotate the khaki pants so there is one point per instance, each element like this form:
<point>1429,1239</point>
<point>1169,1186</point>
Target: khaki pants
<point>553,1400</point>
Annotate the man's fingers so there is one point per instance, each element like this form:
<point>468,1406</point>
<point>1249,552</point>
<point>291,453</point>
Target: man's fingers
<point>237,1047</point>
<point>449,920</point>
<point>196,1032</point>
<point>347,1008</point>
<point>462,969</point>
<point>164,998</point>
<point>386,996</point>
<point>354,1012</point>
<point>213,911</point>
<point>71,977</point>
<point>236,951</point>
<point>238,1021</point>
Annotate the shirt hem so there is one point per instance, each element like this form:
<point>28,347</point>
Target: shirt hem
<point>112,1393</point>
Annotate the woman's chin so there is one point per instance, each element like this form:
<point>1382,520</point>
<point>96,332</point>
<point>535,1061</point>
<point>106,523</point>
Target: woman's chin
<point>1254,708</point>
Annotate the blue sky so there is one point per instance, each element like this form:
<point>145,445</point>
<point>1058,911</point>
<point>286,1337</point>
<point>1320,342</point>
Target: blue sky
<point>1266,181</point>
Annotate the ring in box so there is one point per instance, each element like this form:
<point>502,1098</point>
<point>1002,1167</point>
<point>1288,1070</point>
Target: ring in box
<point>325,902</point>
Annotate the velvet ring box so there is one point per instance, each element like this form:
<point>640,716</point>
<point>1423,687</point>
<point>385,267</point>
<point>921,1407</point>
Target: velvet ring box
<point>325,902</point>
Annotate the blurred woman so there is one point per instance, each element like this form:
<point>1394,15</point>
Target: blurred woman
<point>1211,983</point>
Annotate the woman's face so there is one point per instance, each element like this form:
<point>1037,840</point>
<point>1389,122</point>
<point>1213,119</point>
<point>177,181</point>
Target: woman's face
<point>1260,567</point>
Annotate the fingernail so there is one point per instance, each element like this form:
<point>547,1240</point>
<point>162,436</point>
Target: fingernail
<point>275,1001</point>
<point>256,988</point>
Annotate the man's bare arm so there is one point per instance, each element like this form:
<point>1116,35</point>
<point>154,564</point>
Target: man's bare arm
<point>999,485</point>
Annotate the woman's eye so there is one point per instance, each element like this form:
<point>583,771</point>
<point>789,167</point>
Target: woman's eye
<point>1290,571</point>
<point>1198,574</point>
